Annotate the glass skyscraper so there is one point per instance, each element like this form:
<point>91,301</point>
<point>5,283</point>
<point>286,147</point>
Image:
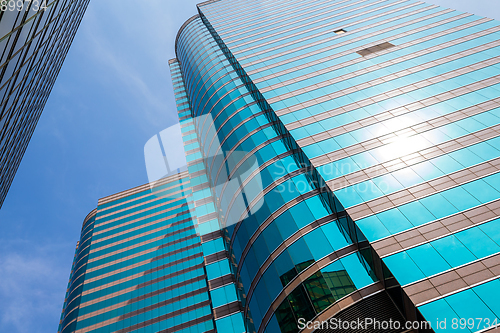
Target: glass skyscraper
<point>374,125</point>
<point>139,263</point>
<point>35,37</point>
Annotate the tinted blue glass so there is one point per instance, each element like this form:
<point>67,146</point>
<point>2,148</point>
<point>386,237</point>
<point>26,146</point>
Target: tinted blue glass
<point>438,206</point>
<point>441,316</point>
<point>492,229</point>
<point>489,293</point>
<point>404,268</point>
<point>372,228</point>
<point>394,221</point>
<point>428,259</point>
<point>318,244</point>
<point>460,198</point>
<point>357,267</point>
<point>468,305</point>
<point>477,242</point>
<point>453,251</point>
<point>416,213</point>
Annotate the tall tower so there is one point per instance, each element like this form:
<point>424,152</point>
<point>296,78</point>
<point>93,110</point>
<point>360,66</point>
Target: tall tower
<point>343,168</point>
<point>139,264</point>
<point>35,37</point>
<point>388,112</point>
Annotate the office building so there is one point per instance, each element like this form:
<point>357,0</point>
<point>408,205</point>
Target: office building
<point>375,126</point>
<point>35,37</point>
<point>139,263</point>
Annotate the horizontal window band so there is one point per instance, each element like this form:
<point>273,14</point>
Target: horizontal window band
<point>302,276</point>
<point>211,236</point>
<point>186,124</point>
<point>436,62</point>
<point>146,296</point>
<point>397,47</point>
<point>311,27</point>
<point>204,201</point>
<point>221,281</point>
<point>207,217</point>
<point>144,273</point>
<point>232,13</point>
<point>162,194</point>
<point>190,141</point>
<point>192,151</point>
<point>437,229</point>
<point>350,51</point>
<point>143,263</point>
<point>402,109</point>
<point>438,122</point>
<point>189,133</point>
<point>192,163</point>
<point>185,117</point>
<point>454,280</point>
<point>227,309</point>
<point>149,232</point>
<point>214,257</point>
<point>160,202</point>
<point>426,154</point>
<point>202,172</point>
<point>137,254</point>
<point>302,15</point>
<point>334,10</point>
<point>136,287</point>
<point>423,190</point>
<point>184,206</point>
<point>163,303</point>
<point>154,320</point>
<point>283,246</point>
<point>189,324</point>
<point>142,188</point>
<point>346,302</point>
<point>333,37</point>
<point>268,221</point>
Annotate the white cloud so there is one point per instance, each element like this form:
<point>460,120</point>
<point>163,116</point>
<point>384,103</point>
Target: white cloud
<point>31,284</point>
<point>132,43</point>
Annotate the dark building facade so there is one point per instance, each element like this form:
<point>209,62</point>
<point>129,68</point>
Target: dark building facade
<point>35,37</point>
<point>343,165</point>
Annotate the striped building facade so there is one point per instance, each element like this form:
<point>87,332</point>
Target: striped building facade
<point>139,264</point>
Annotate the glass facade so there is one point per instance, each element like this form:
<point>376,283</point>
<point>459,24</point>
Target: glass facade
<point>139,265</point>
<point>35,37</point>
<point>343,162</point>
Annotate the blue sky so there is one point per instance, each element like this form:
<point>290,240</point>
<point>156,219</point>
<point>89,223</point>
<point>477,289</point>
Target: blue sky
<point>113,94</point>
